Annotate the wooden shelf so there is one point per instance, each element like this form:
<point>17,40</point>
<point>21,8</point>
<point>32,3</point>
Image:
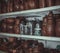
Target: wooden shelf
<point>30,37</point>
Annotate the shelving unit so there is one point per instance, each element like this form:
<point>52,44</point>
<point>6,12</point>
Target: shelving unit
<point>49,42</point>
<point>33,12</point>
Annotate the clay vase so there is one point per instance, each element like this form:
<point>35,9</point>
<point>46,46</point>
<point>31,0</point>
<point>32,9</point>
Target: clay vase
<point>42,3</point>
<point>16,29</point>
<point>3,27</point>
<point>10,6</point>
<point>16,5</point>
<point>50,3</point>
<point>3,6</point>
<point>57,2</point>
<point>10,21</point>
<point>21,5</point>
<point>44,26</point>
<point>30,4</point>
<point>17,21</point>
<point>50,24</point>
<point>10,29</point>
<point>57,27</point>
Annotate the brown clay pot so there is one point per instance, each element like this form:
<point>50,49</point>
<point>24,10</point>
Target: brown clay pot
<point>30,50</point>
<point>26,5</point>
<point>50,3</point>
<point>3,27</point>
<point>16,29</point>
<point>30,4</point>
<point>57,27</point>
<point>57,2</point>
<point>11,39</point>
<point>3,6</point>
<point>10,29</point>
<point>42,3</point>
<point>10,21</point>
<point>44,26</point>
<point>21,5</point>
<point>50,24</point>
<point>36,49</point>
<point>17,21</point>
<point>16,5</point>
<point>25,44</point>
<point>10,6</point>
<point>41,47</point>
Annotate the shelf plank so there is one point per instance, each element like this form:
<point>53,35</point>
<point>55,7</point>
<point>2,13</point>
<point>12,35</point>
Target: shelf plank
<point>28,12</point>
<point>31,37</point>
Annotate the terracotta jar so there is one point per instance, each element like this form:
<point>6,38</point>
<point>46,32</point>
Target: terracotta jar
<point>20,18</point>
<point>41,47</point>
<point>42,3</point>
<point>10,29</point>
<point>10,21</point>
<point>50,24</point>
<point>20,50</point>
<point>16,5</point>
<point>3,6</point>
<point>17,21</point>
<point>50,3</point>
<point>21,5</point>
<point>57,2</point>
<point>17,51</point>
<point>11,39</point>
<point>25,44</point>
<point>16,29</point>
<point>36,49</point>
<point>3,48</point>
<point>57,27</point>
<point>10,6</point>
<point>22,41</point>
<point>12,44</point>
<point>14,51</point>
<point>26,5</point>
<point>30,50</point>
<point>3,27</point>
<point>30,4</point>
<point>44,26</point>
